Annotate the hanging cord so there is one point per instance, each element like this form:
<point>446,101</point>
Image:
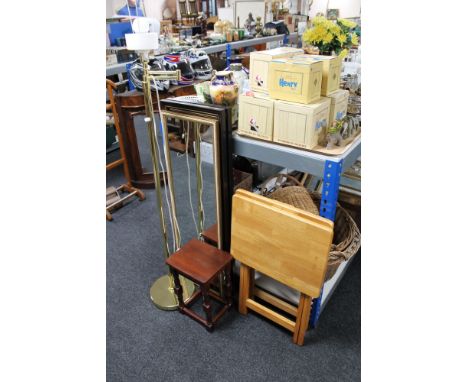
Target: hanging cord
<point>200,182</point>
<point>187,140</point>
<point>128,8</point>
<point>173,222</point>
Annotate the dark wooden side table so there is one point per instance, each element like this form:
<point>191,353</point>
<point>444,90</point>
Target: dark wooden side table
<point>129,105</point>
<point>210,235</point>
<point>201,263</point>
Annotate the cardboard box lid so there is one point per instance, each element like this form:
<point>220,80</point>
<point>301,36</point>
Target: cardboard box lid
<point>317,106</point>
<point>261,98</point>
<point>338,96</point>
<point>315,65</point>
<point>313,57</point>
<point>277,52</point>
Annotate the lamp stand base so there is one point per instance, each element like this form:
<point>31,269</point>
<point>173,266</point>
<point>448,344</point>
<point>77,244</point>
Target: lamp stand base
<point>163,295</point>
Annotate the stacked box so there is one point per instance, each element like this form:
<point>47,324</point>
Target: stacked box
<point>339,105</point>
<point>259,65</point>
<point>331,72</point>
<point>301,125</point>
<point>295,81</point>
<point>256,116</point>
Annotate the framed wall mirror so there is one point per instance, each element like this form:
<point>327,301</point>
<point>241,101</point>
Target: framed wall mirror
<point>198,150</point>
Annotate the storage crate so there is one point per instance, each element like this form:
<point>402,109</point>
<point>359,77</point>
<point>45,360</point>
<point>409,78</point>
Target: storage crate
<point>339,105</point>
<point>295,81</point>
<point>256,116</point>
<point>300,125</point>
<point>331,72</point>
<point>259,65</point>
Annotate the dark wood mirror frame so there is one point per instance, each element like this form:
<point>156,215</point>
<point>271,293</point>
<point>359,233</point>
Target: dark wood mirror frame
<point>222,115</point>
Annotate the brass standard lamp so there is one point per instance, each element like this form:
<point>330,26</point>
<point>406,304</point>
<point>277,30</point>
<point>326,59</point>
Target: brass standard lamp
<point>144,39</point>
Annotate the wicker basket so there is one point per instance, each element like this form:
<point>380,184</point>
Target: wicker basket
<point>242,180</point>
<point>346,236</point>
<point>288,189</point>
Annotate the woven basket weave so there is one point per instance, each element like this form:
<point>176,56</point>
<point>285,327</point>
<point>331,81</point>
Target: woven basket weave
<point>346,236</point>
<point>289,190</point>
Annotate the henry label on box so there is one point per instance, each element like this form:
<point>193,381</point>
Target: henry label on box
<point>290,82</point>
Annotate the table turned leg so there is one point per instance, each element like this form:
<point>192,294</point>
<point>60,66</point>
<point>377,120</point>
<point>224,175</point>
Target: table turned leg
<point>207,306</point>
<point>228,285</point>
<point>178,289</point>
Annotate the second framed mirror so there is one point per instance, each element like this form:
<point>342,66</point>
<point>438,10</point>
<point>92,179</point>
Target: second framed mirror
<point>198,154</point>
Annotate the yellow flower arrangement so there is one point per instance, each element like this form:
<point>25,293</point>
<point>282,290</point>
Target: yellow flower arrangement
<point>330,36</point>
<point>342,38</point>
<point>347,23</point>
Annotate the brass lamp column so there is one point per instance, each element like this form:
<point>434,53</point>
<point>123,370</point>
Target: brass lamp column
<point>162,291</point>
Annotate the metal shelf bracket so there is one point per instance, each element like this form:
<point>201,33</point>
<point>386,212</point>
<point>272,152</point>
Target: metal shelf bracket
<point>330,189</point>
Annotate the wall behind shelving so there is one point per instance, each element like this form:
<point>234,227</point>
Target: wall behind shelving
<point>348,8</point>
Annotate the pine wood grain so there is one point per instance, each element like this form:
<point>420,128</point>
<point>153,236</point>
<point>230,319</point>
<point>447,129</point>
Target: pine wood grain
<point>283,242</point>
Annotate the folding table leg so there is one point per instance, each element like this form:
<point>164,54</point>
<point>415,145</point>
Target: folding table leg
<point>304,321</point>
<point>300,311</point>
<point>245,288</point>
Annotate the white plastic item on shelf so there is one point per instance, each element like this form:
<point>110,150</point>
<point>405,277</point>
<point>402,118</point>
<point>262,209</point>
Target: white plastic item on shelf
<point>301,125</point>
<point>351,68</point>
<point>259,65</point>
<point>338,105</point>
<point>256,116</point>
<point>295,81</point>
<point>331,72</point>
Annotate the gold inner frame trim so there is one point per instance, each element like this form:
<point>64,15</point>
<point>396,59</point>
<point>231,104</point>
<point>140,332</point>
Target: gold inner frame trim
<point>198,119</point>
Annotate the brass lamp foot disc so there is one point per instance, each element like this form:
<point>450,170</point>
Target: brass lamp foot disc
<point>164,296</point>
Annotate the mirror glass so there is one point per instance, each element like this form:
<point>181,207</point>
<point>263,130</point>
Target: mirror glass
<point>193,173</point>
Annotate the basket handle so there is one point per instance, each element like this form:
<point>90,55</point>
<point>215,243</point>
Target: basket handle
<point>279,183</point>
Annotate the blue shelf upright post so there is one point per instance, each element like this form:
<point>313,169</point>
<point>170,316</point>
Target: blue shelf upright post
<point>330,189</point>
<point>130,83</point>
<point>228,56</point>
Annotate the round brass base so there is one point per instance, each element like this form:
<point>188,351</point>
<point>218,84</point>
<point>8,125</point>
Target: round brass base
<point>163,294</point>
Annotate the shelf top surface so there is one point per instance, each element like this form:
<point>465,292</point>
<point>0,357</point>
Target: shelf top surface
<point>120,67</point>
<point>290,157</point>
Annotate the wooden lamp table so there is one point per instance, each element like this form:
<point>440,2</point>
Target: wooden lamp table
<point>202,264</point>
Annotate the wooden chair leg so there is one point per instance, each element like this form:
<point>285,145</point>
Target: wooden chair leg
<point>129,188</point>
<point>304,321</point>
<point>244,288</point>
<point>140,194</point>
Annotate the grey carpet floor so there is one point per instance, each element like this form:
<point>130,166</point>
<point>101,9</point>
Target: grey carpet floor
<point>148,344</point>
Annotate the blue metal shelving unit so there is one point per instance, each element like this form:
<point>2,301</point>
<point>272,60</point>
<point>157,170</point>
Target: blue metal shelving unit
<point>327,167</point>
<point>121,67</point>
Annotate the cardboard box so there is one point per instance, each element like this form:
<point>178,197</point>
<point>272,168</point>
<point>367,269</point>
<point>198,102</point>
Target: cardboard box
<point>331,72</point>
<point>301,125</point>
<point>256,116</point>
<point>259,65</point>
<point>295,81</point>
<point>339,105</point>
